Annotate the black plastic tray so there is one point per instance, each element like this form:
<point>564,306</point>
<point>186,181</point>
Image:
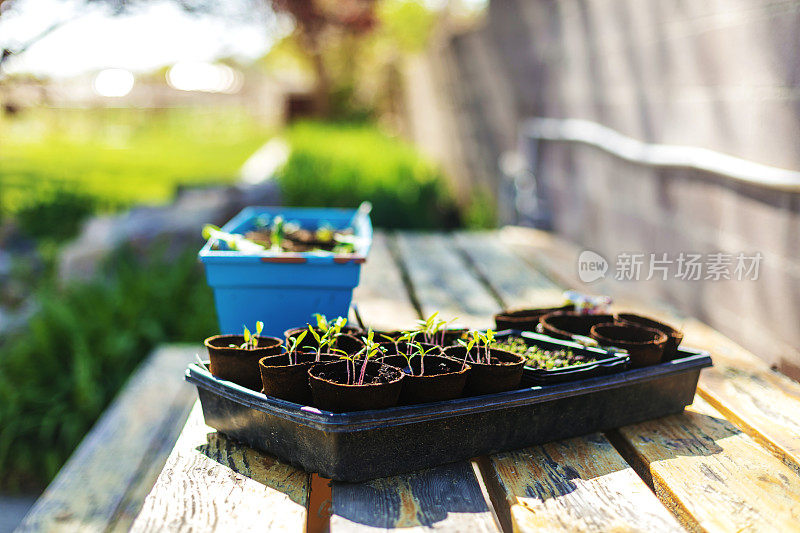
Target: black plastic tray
<point>606,363</point>
<point>368,444</point>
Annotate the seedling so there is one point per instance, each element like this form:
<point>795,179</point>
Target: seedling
<point>417,350</point>
<point>434,330</point>
<point>468,345</point>
<point>234,241</point>
<point>369,351</point>
<point>277,233</point>
<point>325,233</point>
<point>345,244</point>
<point>483,342</point>
<point>294,347</point>
<point>250,341</point>
<point>330,331</point>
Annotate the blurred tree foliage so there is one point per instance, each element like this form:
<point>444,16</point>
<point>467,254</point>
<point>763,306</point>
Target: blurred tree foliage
<point>362,69</point>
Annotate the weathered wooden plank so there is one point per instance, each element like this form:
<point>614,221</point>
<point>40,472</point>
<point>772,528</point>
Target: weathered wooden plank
<point>105,481</point>
<point>760,401</point>
<point>713,476</point>
<point>579,484</point>
<point>441,281</point>
<point>382,297</point>
<point>445,498</point>
<point>509,276</point>
<point>213,483</point>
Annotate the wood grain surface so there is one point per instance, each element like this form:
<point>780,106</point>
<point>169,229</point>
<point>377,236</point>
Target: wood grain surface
<point>445,498</point>
<point>712,475</point>
<point>382,297</point>
<point>211,483</point>
<point>579,484</point>
<point>441,281</point>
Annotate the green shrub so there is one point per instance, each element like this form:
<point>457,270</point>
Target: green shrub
<point>57,216</point>
<point>58,375</point>
<point>336,165</point>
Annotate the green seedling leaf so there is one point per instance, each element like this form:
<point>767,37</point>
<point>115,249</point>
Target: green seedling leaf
<point>322,322</point>
<point>299,339</point>
<point>209,230</point>
<point>259,328</point>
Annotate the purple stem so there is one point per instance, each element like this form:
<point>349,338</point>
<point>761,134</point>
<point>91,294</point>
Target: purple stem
<point>363,371</point>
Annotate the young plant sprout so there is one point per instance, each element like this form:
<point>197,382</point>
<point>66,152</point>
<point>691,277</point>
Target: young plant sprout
<point>418,350</point>
<point>345,244</point>
<point>234,241</point>
<point>330,332</point>
<point>325,232</point>
<point>483,342</point>
<point>250,341</point>
<point>432,329</point>
<point>369,351</point>
<point>294,347</point>
<point>407,338</point>
<point>277,233</point>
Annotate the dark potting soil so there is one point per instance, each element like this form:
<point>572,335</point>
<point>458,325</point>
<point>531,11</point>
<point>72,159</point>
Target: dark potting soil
<point>434,365</point>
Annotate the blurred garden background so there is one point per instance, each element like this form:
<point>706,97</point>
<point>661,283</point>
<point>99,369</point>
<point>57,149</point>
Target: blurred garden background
<point>124,126</point>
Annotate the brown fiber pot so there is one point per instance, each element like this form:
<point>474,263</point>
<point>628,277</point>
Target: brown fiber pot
<point>287,378</point>
<point>526,319</point>
<point>674,337</point>
<point>330,391</point>
<point>645,346</point>
<point>444,378</point>
<point>565,325</point>
<point>505,372</point>
<point>237,365</point>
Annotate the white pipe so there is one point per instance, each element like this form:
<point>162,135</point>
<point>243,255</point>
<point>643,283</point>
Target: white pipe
<point>661,155</point>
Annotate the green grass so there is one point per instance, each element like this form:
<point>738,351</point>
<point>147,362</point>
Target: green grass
<point>121,156</point>
<point>340,165</point>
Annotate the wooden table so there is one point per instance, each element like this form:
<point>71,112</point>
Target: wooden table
<point>730,462</point>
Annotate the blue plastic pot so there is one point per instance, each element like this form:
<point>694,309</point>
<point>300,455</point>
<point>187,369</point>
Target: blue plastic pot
<point>285,289</point>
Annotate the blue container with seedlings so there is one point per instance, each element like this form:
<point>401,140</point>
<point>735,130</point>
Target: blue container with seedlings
<point>281,265</point>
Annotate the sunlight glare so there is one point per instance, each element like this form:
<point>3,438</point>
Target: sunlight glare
<point>205,77</point>
<point>113,82</point>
